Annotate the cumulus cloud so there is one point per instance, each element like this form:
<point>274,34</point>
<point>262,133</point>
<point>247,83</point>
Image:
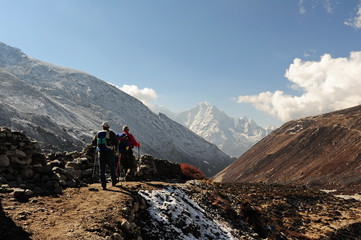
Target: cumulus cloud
<point>146,95</point>
<point>355,22</point>
<point>326,85</point>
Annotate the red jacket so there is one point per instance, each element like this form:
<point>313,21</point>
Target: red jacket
<point>133,142</point>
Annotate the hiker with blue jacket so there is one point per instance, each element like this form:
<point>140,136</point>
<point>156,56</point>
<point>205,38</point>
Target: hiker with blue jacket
<point>107,147</point>
<point>126,144</point>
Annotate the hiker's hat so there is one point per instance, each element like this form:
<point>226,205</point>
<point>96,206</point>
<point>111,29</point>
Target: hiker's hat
<point>125,128</point>
<point>105,124</point>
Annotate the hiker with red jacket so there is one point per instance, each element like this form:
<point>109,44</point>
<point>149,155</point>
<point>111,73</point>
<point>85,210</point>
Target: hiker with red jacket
<point>126,144</point>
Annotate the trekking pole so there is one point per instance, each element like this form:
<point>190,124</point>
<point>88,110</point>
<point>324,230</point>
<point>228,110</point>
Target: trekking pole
<point>95,164</point>
<point>117,168</point>
<point>138,152</point>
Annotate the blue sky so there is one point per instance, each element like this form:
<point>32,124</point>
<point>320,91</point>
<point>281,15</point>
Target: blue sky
<point>272,61</point>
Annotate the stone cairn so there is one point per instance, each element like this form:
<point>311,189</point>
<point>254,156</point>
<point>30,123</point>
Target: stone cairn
<point>27,172</point>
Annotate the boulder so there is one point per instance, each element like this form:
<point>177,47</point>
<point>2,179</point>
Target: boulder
<point>21,161</point>
<point>19,194</point>
<point>74,172</point>
<point>47,169</point>
<point>29,193</point>
<point>27,173</point>
<point>19,153</point>
<point>74,165</point>
<point>4,161</point>
<point>54,163</point>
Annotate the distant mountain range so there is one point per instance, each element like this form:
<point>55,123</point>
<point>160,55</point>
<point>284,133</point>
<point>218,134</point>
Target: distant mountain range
<point>62,108</point>
<point>233,136</point>
<point>323,151</point>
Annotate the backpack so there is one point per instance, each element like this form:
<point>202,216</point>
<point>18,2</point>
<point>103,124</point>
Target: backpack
<point>124,142</point>
<point>102,141</point>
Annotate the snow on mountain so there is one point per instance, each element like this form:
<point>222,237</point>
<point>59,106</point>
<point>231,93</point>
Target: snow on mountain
<point>62,108</point>
<point>233,136</point>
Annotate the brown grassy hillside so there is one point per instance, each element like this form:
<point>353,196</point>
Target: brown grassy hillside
<point>323,150</point>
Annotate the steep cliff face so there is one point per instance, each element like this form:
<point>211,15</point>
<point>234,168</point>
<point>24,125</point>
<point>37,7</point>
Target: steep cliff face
<point>322,150</point>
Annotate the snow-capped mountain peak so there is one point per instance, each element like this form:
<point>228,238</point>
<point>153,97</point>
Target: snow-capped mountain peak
<point>233,136</point>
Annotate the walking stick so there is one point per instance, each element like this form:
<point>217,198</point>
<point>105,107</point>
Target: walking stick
<point>95,163</point>
<point>117,169</point>
<point>138,152</point>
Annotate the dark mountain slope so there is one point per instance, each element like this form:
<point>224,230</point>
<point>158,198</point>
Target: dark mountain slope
<point>323,150</point>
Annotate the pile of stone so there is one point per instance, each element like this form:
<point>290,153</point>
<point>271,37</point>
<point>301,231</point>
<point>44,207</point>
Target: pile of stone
<point>74,168</point>
<point>27,172</point>
<point>133,213</point>
<point>152,169</point>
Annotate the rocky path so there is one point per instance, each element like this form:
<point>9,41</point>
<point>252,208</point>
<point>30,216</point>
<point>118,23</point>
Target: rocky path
<point>79,213</point>
<point>253,211</point>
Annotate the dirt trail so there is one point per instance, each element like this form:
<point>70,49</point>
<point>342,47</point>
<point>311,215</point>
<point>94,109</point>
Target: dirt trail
<point>93,214</point>
<point>79,213</point>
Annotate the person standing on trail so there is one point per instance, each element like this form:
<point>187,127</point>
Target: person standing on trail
<point>107,146</point>
<point>126,144</point>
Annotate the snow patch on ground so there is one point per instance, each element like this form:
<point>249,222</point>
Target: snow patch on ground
<point>179,217</point>
<point>355,196</point>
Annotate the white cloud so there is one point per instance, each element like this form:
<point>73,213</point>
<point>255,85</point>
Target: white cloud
<point>146,95</point>
<point>301,7</point>
<point>309,53</point>
<point>327,85</point>
<point>328,5</point>
<point>355,22</point>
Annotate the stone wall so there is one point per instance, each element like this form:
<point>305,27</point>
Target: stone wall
<point>152,169</point>
<point>26,171</point>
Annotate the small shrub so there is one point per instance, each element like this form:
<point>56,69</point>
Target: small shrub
<point>191,172</point>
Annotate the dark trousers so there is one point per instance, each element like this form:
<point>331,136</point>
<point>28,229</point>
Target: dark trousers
<point>127,160</point>
<point>107,158</point>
